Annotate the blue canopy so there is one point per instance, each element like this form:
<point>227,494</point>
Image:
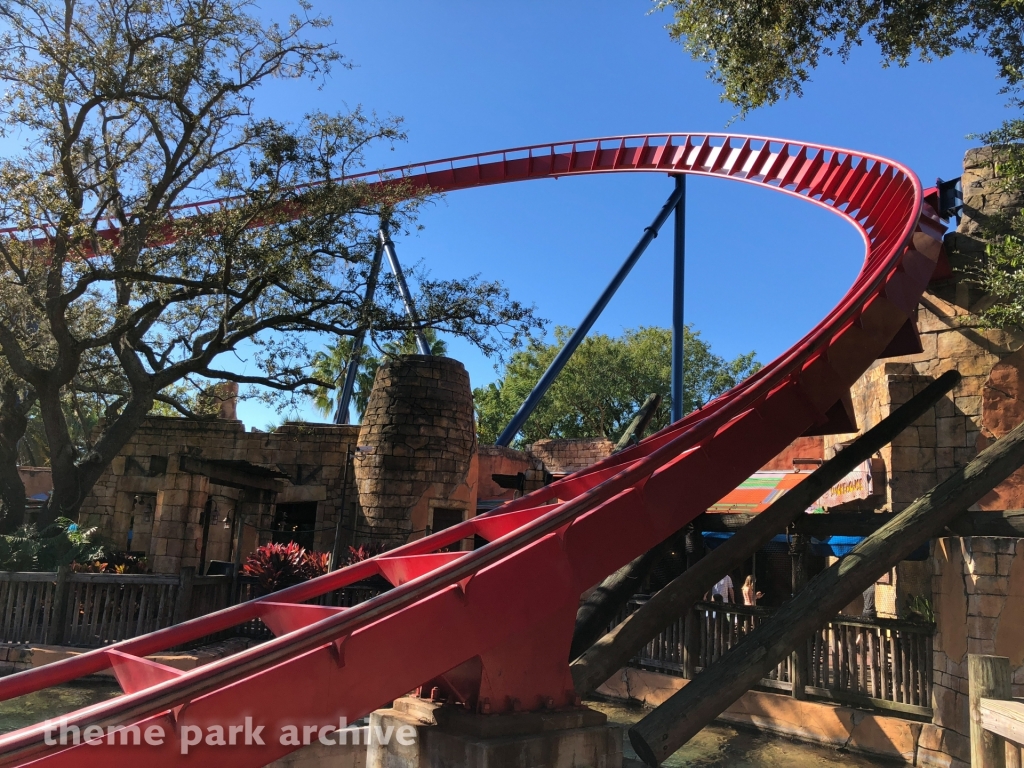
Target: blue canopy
<point>830,546</point>
<point>713,539</point>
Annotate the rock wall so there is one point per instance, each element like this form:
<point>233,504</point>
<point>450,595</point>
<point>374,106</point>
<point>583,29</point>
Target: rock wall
<point>984,404</point>
<point>977,584</point>
<point>561,457</point>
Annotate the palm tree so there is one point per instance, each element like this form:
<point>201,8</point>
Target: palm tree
<point>332,364</point>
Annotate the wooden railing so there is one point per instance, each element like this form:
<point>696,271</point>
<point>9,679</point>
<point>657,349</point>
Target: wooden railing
<point>883,663</point>
<point>96,609</point>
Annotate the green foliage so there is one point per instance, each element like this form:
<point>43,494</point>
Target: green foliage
<point>920,607</point>
<point>61,543</point>
<point>332,365</point>
<point>761,51</point>
<point>1001,273</point>
<point>604,383</point>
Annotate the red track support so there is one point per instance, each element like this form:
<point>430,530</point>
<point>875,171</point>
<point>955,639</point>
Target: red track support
<point>493,626</point>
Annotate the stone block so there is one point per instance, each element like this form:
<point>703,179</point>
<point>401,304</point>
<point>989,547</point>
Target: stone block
<point>929,758</point>
<point>951,432</point>
<point>1003,563</point>
<point>944,706</point>
<point>976,645</point>
<point>981,628</point>
<point>944,458</point>
<point>982,564</point>
<point>985,605</point>
<point>987,585</point>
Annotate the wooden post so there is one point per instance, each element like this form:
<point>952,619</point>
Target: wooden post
<point>59,614</point>
<point>686,712</point>
<point>615,649</point>
<point>183,603</point>
<point>692,620</point>
<point>798,661</point>
<point>635,431</point>
<point>691,644</point>
<point>989,678</point>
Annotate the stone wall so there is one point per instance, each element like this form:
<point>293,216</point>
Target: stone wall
<point>976,584</point>
<point>145,489</point>
<point>499,460</point>
<point>561,457</point>
<point>419,453</point>
<point>978,594</point>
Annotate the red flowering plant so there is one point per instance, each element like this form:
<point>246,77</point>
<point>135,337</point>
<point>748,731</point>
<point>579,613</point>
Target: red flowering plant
<point>276,566</point>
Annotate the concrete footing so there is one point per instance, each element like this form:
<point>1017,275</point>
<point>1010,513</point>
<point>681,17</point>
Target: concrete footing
<point>448,736</point>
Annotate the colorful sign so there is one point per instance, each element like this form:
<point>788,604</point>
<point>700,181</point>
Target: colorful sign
<point>858,484</point>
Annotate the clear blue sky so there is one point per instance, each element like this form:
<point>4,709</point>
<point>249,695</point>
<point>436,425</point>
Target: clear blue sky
<point>476,76</point>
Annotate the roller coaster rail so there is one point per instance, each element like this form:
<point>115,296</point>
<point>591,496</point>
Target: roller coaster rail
<point>507,609</point>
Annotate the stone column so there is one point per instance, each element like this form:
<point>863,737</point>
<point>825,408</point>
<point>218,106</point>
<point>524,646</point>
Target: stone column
<point>417,448</point>
<point>179,507</point>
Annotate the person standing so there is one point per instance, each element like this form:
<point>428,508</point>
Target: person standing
<point>750,595</point>
<point>723,590</point>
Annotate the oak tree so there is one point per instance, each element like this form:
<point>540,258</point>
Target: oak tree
<point>115,285</point>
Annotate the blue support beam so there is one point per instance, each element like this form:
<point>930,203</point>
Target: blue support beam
<point>678,282</point>
<point>410,308</point>
<point>341,415</point>
<point>581,332</point>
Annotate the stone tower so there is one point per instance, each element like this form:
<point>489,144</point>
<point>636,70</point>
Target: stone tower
<point>416,464</point>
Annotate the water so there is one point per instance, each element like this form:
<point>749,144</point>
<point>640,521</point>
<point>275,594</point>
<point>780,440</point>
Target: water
<point>721,746</point>
<point>53,702</point>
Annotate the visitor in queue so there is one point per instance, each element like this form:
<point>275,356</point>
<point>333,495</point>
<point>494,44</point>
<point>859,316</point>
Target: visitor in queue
<point>749,592</point>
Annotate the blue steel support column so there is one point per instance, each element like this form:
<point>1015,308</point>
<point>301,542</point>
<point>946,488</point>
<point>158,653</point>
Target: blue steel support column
<point>345,396</point>
<point>580,333</point>
<point>403,289</point>
<point>678,281</point>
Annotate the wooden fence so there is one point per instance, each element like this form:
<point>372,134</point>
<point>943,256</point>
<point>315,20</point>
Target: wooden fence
<point>96,609</point>
<point>883,663</point>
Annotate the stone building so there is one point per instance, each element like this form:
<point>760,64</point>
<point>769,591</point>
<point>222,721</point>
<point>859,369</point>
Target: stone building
<point>180,490</point>
<point>190,493</point>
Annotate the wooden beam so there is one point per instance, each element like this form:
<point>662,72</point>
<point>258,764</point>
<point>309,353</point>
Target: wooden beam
<point>233,476</point>
<point>1003,718</point>
<point>616,648</point>
<point>638,425</point>
<point>710,693</point>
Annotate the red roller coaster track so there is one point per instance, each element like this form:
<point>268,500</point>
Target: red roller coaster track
<point>493,626</point>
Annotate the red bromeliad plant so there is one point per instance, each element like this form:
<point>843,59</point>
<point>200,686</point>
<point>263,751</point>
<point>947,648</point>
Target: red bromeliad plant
<point>363,552</point>
<point>276,566</point>
<point>315,564</point>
